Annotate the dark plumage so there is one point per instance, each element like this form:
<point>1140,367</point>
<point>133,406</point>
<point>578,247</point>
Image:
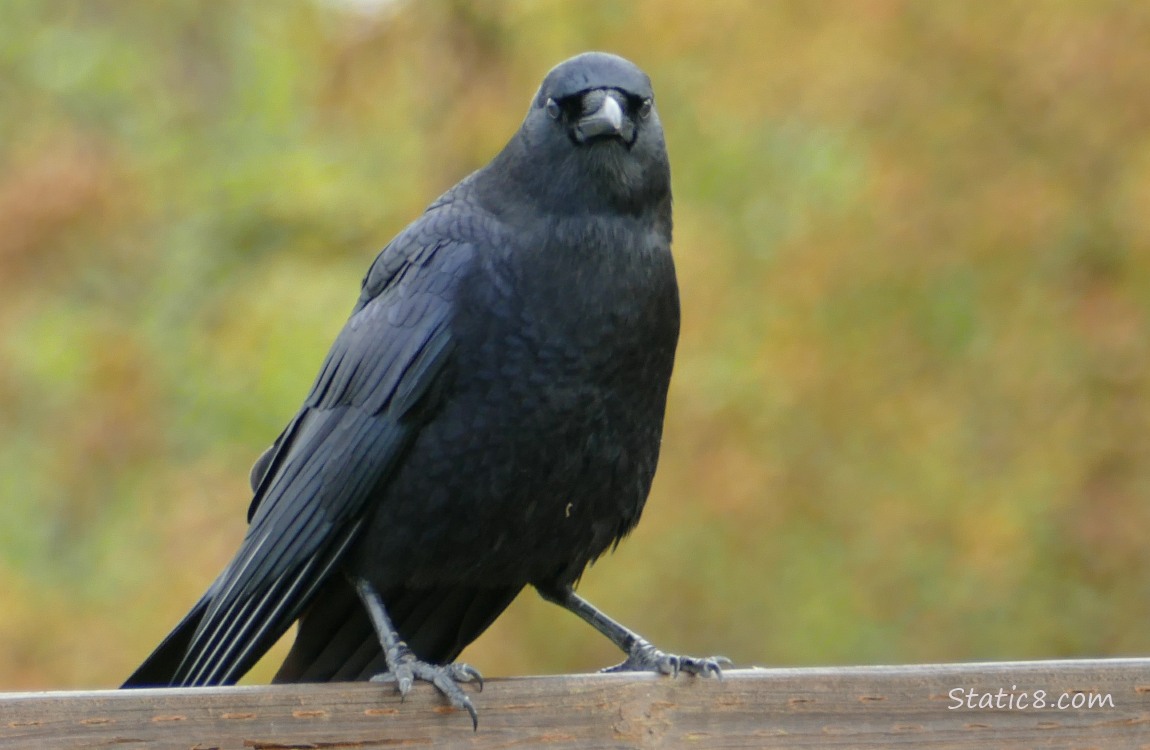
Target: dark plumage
<point>488,418</point>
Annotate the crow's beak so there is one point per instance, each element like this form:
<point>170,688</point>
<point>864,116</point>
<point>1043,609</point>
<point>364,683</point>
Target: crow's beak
<point>603,118</point>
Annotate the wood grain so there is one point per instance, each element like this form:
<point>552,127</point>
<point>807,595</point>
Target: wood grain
<point>864,707</point>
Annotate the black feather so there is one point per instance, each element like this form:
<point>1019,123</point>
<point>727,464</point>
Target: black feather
<point>488,418</point>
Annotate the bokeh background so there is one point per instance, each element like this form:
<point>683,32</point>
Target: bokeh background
<point>910,419</point>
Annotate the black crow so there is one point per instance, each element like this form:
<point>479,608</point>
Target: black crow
<point>488,418</point>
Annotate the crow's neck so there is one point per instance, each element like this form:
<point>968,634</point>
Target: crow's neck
<point>571,182</point>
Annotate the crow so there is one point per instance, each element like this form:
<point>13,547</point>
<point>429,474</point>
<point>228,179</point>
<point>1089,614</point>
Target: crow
<point>488,418</point>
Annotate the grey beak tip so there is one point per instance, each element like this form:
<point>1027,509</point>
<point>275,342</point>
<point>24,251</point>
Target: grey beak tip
<point>606,119</point>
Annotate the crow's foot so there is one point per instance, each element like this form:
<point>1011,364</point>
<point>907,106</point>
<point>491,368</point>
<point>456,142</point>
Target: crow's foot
<point>405,668</point>
<point>643,657</point>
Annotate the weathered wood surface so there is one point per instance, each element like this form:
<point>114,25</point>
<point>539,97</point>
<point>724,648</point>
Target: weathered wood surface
<point>865,707</point>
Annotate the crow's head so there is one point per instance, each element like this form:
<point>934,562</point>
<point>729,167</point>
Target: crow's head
<point>592,138</point>
<point>597,98</point>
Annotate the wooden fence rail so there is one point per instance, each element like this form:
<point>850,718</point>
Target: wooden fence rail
<point>1052,704</point>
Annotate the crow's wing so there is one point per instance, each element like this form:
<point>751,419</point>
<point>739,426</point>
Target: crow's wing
<point>312,485</point>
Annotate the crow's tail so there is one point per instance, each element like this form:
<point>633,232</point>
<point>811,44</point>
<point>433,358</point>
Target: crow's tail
<point>159,669</point>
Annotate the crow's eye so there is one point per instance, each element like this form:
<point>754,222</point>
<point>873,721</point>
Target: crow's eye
<point>553,109</point>
<point>644,109</point>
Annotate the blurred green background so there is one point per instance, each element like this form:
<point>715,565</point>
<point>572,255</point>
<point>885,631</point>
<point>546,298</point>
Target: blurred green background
<point>911,411</point>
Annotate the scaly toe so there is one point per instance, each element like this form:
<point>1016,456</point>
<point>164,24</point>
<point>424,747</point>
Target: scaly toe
<point>704,667</point>
<point>646,658</point>
<point>446,679</point>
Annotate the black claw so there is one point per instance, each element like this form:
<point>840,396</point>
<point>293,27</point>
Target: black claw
<point>474,715</point>
<point>446,679</point>
<point>716,664</point>
<point>404,667</point>
<point>711,665</point>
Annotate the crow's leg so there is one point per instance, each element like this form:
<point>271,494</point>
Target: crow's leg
<point>403,666</point>
<point>641,655</point>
